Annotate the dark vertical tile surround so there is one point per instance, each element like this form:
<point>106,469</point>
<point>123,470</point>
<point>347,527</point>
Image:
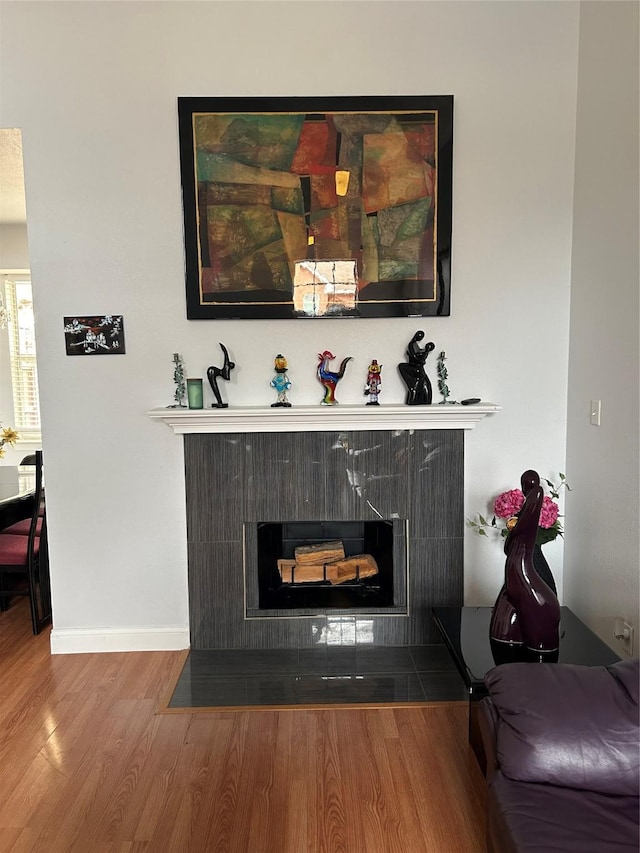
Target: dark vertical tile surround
<point>237,478</point>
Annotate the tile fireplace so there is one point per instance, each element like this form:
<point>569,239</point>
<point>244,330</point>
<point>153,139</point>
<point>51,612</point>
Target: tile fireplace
<point>255,490</point>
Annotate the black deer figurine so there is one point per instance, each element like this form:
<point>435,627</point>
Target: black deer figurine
<point>215,373</point>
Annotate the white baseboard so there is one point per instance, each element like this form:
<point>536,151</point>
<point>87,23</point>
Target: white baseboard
<point>71,641</point>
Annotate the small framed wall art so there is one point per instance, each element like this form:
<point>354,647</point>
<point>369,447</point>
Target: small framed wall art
<point>101,335</point>
<point>317,207</point>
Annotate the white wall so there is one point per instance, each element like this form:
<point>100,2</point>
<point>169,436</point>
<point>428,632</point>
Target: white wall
<point>93,86</point>
<point>14,248</point>
<point>602,566</point>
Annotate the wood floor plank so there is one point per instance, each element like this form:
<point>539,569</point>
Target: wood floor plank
<point>263,791</point>
<point>169,813</point>
<point>86,792</point>
<point>367,774</point>
<point>154,807</point>
<point>330,802</point>
<point>10,838</point>
<point>411,803</point>
<point>228,828</point>
<point>302,772</point>
<point>284,788</point>
<point>91,764</point>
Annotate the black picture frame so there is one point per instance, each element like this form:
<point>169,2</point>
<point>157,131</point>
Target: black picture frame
<point>279,193</point>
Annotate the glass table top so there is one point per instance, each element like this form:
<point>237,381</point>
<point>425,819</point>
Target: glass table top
<point>465,631</point>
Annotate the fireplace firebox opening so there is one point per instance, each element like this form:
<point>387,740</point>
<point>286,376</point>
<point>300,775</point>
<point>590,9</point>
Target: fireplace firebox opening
<point>309,567</point>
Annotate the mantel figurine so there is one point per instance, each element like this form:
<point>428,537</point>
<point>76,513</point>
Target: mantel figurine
<point>414,375</point>
<point>328,378</point>
<point>374,383</point>
<point>443,375</point>
<point>281,382</point>
<point>181,388</point>
<point>215,373</point>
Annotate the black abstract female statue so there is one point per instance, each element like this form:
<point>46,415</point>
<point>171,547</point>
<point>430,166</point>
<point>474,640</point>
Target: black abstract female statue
<point>215,373</point>
<point>526,612</point>
<point>419,392</point>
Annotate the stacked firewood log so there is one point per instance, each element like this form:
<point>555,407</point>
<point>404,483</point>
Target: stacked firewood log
<point>326,562</point>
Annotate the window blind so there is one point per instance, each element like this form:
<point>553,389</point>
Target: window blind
<point>22,350</point>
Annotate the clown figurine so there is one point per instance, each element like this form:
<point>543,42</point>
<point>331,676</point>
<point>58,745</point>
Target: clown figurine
<point>374,383</point>
<point>281,382</point>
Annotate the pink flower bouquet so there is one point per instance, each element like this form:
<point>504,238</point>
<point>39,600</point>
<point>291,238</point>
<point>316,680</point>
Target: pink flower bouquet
<point>508,504</point>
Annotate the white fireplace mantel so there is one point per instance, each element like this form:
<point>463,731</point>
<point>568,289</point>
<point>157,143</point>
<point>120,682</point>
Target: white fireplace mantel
<point>244,419</point>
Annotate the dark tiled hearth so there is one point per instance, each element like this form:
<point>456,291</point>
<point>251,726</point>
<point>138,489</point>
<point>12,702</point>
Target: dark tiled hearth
<point>317,676</point>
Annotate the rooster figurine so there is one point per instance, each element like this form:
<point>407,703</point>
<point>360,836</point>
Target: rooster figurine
<point>328,378</point>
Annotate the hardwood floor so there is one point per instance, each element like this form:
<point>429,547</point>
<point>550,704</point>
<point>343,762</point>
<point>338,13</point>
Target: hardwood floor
<point>87,763</point>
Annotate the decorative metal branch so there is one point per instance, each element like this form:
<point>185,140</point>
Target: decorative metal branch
<point>443,375</point>
<point>178,378</point>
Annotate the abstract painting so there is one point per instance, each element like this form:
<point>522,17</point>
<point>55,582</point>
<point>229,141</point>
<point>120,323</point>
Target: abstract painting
<point>317,207</point>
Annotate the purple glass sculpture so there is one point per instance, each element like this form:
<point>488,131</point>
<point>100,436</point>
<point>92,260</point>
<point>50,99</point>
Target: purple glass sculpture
<point>526,612</point>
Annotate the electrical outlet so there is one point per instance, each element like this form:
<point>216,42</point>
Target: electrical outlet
<point>623,631</point>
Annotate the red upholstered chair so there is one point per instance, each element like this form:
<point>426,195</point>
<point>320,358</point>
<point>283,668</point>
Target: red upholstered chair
<point>22,528</point>
<point>24,564</point>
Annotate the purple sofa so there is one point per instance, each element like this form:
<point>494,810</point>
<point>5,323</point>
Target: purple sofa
<point>563,758</point>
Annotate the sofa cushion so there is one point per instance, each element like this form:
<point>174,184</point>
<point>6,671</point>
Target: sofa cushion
<point>531,818</point>
<point>569,725</point>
